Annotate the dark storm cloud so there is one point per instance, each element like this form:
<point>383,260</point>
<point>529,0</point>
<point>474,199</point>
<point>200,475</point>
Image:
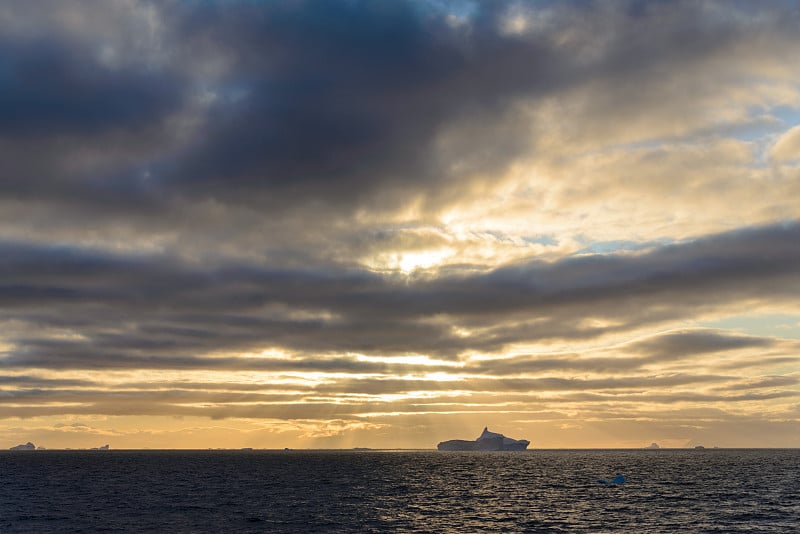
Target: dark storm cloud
<point>342,98</point>
<point>146,310</point>
<point>339,103</point>
<point>76,130</point>
<point>345,102</point>
<point>50,87</point>
<point>305,100</point>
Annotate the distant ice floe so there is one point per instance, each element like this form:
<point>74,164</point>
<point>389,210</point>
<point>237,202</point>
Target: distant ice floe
<point>617,480</point>
<point>31,447</point>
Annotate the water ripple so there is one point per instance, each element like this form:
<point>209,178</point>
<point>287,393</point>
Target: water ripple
<point>534,491</point>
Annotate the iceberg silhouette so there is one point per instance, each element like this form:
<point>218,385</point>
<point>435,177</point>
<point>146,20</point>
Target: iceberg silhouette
<point>487,441</point>
<point>26,447</point>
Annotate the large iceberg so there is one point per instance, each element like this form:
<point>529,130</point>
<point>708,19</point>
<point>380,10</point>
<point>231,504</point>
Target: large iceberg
<point>26,447</point>
<point>487,441</point>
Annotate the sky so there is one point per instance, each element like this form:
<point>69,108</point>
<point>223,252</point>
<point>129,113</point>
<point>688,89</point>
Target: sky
<point>269,224</point>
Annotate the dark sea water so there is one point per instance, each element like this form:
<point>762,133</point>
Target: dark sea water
<point>713,490</point>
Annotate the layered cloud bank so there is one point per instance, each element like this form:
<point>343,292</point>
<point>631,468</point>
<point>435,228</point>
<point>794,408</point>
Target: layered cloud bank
<point>359,223</point>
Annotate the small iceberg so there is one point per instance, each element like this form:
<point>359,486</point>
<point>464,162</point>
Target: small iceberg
<point>653,445</point>
<point>25,447</point>
<point>616,481</point>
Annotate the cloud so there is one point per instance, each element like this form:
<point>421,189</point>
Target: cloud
<point>787,147</point>
<point>41,382</point>
<point>681,344</point>
<point>121,308</point>
<point>351,203</point>
<point>46,91</point>
<point>765,382</point>
<point>351,105</point>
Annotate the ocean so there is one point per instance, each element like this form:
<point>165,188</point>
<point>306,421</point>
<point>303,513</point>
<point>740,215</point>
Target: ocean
<point>711,490</point>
